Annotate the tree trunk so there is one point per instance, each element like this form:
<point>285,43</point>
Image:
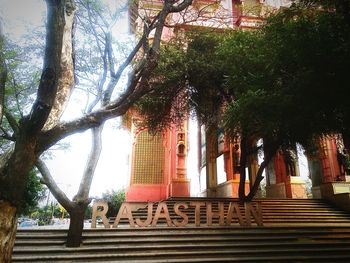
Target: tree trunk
<point>66,81</point>
<point>76,226</point>
<point>242,163</point>
<point>8,228</point>
<point>269,153</point>
<point>259,177</point>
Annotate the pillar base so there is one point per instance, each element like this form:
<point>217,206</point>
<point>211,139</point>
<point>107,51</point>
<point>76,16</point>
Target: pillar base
<point>276,191</point>
<point>227,189</point>
<point>337,193</point>
<point>295,187</point>
<point>147,192</point>
<point>316,192</point>
<point>179,188</point>
<point>208,193</point>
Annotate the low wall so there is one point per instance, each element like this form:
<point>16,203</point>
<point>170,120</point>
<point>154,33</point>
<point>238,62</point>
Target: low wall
<point>338,193</point>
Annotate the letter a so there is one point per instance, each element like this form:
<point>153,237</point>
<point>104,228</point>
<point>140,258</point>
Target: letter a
<point>159,214</point>
<point>233,211</point>
<point>148,221</point>
<point>124,212</point>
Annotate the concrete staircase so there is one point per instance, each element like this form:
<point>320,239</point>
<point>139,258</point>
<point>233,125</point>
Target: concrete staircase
<point>293,231</point>
<point>276,212</point>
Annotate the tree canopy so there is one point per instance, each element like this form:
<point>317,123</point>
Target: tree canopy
<point>286,82</point>
<point>288,78</point>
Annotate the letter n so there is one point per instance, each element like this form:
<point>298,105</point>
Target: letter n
<point>255,212</point>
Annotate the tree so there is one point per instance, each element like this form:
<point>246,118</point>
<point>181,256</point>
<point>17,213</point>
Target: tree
<point>288,88</point>
<point>41,129</point>
<point>93,27</point>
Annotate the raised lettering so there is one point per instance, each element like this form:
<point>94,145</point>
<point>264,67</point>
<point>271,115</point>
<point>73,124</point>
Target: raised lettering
<point>100,209</point>
<point>252,213</point>
<point>148,221</point>
<point>162,206</point>
<point>256,213</point>
<point>184,222</point>
<point>197,211</point>
<point>220,214</point>
<point>234,212</point>
<point>124,212</point>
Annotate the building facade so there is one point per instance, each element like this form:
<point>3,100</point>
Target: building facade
<point>158,162</point>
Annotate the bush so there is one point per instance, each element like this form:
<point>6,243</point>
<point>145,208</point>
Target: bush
<point>114,200</point>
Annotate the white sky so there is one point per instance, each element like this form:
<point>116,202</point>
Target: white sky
<point>19,16</point>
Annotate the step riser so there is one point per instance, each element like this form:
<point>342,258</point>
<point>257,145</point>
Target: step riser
<point>308,230</point>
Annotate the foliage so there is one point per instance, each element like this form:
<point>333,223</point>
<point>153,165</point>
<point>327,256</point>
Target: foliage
<point>45,214</point>
<point>294,87</point>
<point>114,199</point>
<point>287,79</point>
<point>285,83</point>
<point>22,79</point>
<point>34,193</point>
<point>205,75</point>
<point>88,212</point>
<point>184,80</point>
<point>162,105</point>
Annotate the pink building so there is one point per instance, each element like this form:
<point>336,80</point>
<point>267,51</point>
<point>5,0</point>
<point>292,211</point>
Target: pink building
<point>158,162</point>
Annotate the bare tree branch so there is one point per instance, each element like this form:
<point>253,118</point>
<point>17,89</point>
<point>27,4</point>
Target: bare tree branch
<point>18,92</point>
<point>109,51</point>
<point>180,7</point>
<point>137,87</point>
<point>91,164</point>
<point>51,184</point>
<point>65,83</point>
<point>12,121</point>
<point>3,74</point>
<point>6,135</point>
<point>51,70</point>
<point>122,67</point>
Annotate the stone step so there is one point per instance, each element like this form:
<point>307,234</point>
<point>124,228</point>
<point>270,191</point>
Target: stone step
<point>275,212</point>
<point>174,231</point>
<point>190,235</point>
<point>138,231</point>
<point>308,211</point>
<point>155,253</point>
<point>270,202</point>
<point>293,231</point>
<point>187,244</point>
